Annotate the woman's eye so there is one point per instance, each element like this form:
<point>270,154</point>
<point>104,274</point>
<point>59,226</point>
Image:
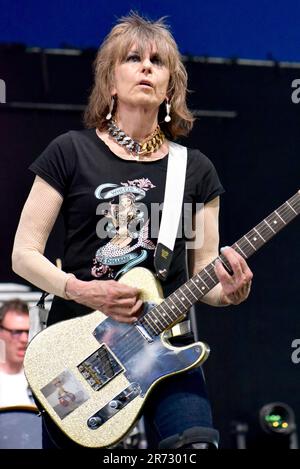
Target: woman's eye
<point>133,58</point>
<point>156,60</point>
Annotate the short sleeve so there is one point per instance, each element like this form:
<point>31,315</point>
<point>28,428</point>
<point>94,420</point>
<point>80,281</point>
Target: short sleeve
<point>208,184</point>
<point>55,165</point>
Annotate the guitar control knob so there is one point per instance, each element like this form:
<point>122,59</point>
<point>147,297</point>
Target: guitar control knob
<point>115,404</point>
<point>94,422</point>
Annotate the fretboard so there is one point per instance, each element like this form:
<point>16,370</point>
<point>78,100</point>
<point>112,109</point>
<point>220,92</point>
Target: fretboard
<point>175,307</point>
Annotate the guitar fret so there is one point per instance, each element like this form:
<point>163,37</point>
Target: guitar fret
<point>185,294</point>
<point>250,243</point>
<point>171,308</point>
<point>157,319</point>
<point>204,288</point>
<point>259,235</point>
<point>165,312</point>
<point>296,202</point>
<point>164,317</point>
<point>213,280</point>
<point>180,300</point>
<point>203,281</point>
<point>196,285</point>
<point>255,239</point>
<point>276,221</point>
<point>149,324</point>
<point>280,217</point>
<point>153,325</point>
<point>238,246</point>
<point>158,323</point>
<point>174,303</point>
<point>291,207</point>
<point>269,226</point>
<point>191,292</point>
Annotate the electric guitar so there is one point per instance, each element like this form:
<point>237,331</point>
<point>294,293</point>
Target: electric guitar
<point>92,374</point>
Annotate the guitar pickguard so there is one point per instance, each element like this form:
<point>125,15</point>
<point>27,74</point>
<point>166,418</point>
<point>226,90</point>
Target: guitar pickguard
<point>144,362</point>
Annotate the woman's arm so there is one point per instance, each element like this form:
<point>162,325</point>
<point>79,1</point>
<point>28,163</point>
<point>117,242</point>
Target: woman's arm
<point>231,289</point>
<point>37,219</point>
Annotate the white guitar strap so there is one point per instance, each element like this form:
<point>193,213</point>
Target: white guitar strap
<point>172,207</point>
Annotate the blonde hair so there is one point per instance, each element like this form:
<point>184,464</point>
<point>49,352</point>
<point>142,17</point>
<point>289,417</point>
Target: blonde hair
<point>133,29</point>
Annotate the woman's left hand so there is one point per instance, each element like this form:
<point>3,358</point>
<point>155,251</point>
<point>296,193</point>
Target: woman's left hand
<point>236,287</point>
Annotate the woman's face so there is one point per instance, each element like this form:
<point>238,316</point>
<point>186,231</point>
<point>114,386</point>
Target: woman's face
<point>141,81</point>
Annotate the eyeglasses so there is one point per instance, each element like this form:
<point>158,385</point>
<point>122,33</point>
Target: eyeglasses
<point>15,333</point>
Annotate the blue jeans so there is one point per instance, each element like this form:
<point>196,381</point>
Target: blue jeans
<point>177,404</point>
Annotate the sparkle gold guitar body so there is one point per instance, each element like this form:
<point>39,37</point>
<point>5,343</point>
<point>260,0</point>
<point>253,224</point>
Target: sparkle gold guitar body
<point>92,375</point>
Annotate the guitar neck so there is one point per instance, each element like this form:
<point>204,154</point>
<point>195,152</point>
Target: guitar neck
<point>175,307</point>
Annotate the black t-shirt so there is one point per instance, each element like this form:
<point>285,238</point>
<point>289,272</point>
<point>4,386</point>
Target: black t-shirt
<point>110,209</point>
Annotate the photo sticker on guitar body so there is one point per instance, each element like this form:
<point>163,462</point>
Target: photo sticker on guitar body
<point>64,393</point>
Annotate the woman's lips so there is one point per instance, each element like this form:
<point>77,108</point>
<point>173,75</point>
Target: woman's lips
<point>146,83</point>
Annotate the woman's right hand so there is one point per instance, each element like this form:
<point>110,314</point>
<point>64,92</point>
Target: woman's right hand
<point>112,298</point>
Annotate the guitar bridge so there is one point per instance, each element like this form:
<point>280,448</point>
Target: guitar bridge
<point>99,368</point>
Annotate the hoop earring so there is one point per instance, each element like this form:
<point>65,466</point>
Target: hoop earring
<point>111,107</point>
<point>168,109</point>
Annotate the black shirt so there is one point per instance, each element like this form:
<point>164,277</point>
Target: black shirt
<point>110,209</point>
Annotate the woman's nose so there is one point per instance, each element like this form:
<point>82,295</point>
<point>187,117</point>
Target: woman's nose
<point>146,63</point>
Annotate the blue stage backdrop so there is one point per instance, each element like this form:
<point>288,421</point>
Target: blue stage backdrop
<point>256,29</point>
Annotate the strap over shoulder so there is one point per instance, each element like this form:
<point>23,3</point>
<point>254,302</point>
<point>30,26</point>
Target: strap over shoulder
<point>172,207</point>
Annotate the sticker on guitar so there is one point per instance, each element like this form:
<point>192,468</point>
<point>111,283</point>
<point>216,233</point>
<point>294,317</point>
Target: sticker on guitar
<point>64,394</point>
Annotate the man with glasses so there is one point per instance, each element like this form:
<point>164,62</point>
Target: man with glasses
<point>14,329</point>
